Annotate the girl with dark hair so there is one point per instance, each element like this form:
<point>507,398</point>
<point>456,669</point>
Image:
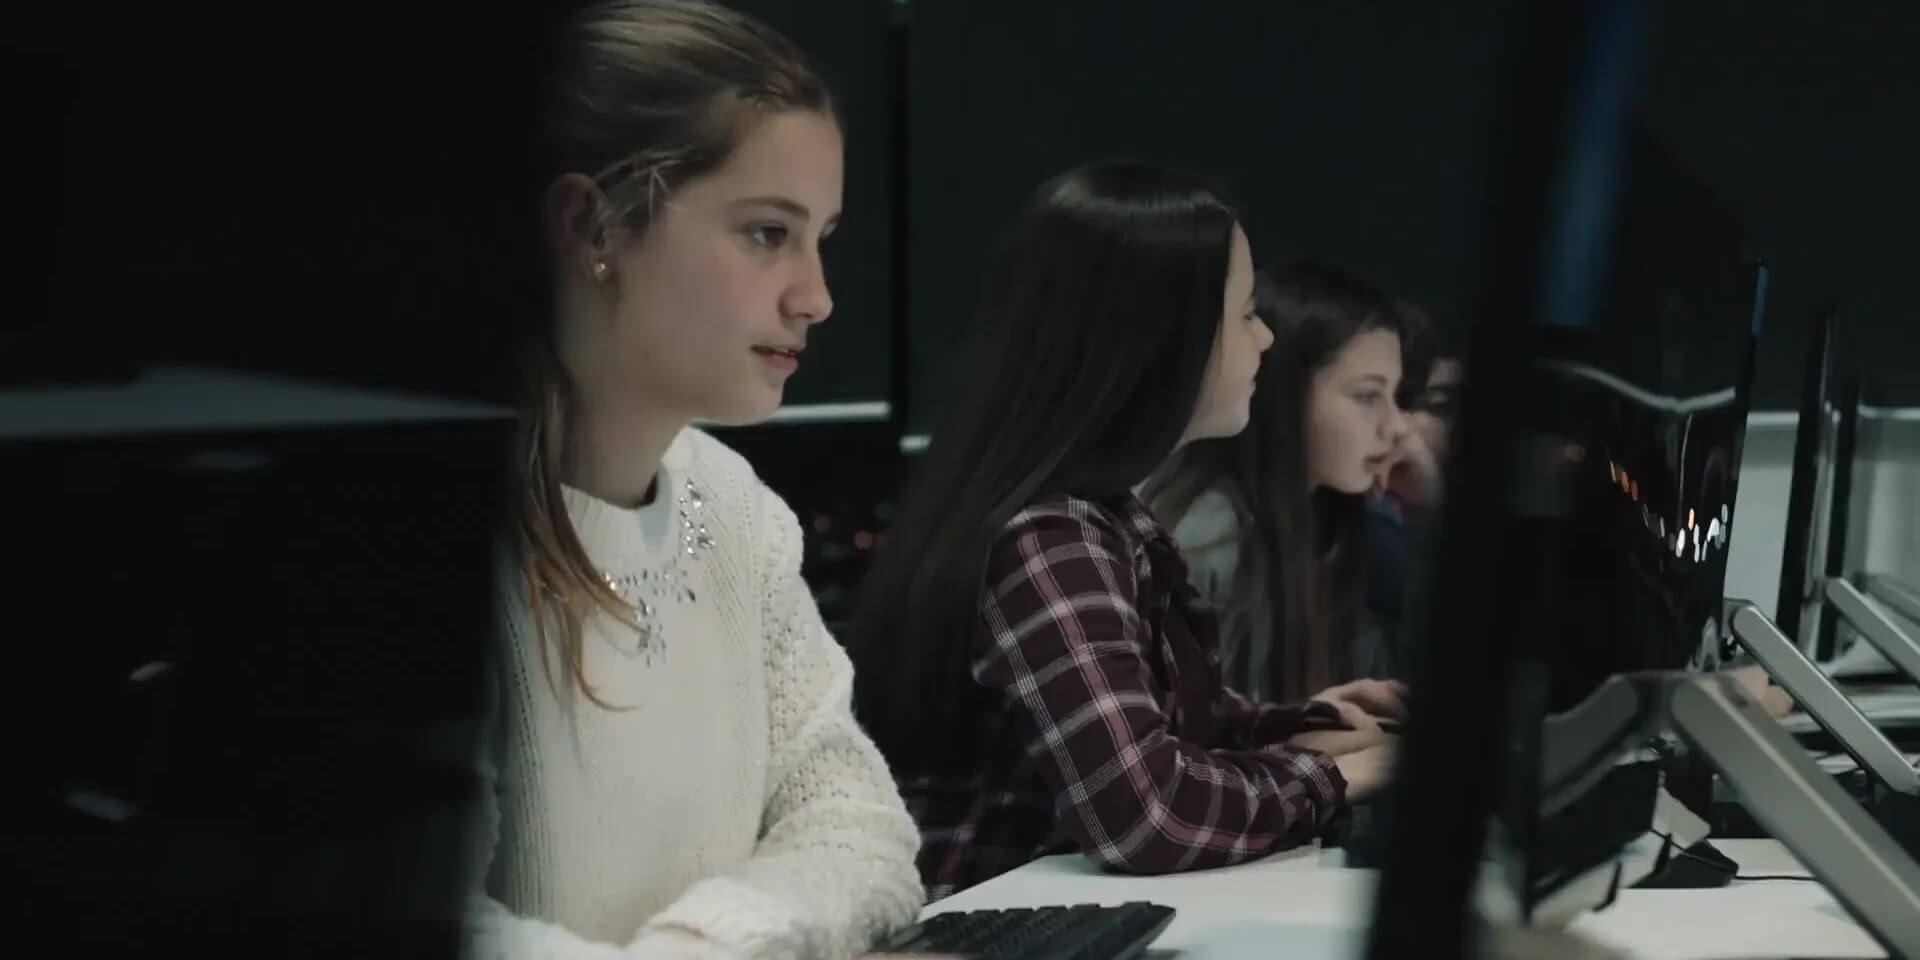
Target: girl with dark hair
<point>1275,518</point>
<point>675,769</point>
<point>1429,394</point>
<point>1029,654</point>
<point>1399,518</point>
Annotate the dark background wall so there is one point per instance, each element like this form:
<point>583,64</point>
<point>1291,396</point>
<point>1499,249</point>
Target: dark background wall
<point>1342,127</point>
<point>348,193</point>
<point>1802,115</point>
<point>342,194</point>
<point>1339,128</point>
<point>345,193</point>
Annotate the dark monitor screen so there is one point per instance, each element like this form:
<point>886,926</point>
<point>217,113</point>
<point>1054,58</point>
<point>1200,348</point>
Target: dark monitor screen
<point>1649,411</point>
<point>1615,313</point>
<point>345,196</point>
<point>1838,517</point>
<point>1797,551</point>
<point>311,199</point>
<point>1631,446</point>
<point>256,728</point>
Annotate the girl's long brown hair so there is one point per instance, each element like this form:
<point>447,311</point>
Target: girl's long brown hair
<point>1301,564</point>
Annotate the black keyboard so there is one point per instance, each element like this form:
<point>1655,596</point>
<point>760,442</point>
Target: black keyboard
<point>1084,932</point>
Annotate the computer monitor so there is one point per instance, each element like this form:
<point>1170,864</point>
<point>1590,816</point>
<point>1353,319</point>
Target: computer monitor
<point>1787,661</point>
<point>246,710</point>
<point>1603,602</point>
<point>1632,442</point>
<point>1892,593</point>
<point>312,199</point>
<point>1534,537</point>
<point>1813,578</point>
<point>1458,755</point>
<point>1797,558</point>
<point>1846,436</point>
<point>1629,445</point>
<point>39,90</point>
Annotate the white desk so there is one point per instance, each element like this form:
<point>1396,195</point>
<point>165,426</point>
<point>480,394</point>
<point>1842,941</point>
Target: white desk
<point>1313,908</point>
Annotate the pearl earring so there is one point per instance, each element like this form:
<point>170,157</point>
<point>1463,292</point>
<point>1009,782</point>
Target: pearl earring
<point>599,269</point>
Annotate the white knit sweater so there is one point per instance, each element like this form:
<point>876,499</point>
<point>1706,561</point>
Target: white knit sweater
<point>730,791</point>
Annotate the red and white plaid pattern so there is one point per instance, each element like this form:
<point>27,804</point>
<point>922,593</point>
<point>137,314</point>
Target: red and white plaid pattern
<point>1105,724</point>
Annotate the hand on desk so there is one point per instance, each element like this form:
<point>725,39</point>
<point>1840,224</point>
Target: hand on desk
<point>1363,751</point>
<point>1359,731</point>
<point>1760,687</point>
<point>1368,771</point>
<point>677,941</point>
<point>1338,743</point>
<point>1373,698</point>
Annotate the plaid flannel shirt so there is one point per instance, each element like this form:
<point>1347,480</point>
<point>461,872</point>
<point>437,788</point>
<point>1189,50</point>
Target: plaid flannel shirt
<point>1104,726</point>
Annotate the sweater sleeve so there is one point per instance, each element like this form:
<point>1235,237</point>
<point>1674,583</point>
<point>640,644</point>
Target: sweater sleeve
<point>496,932</point>
<point>493,931</point>
<point>834,866</point>
<point>1070,656</point>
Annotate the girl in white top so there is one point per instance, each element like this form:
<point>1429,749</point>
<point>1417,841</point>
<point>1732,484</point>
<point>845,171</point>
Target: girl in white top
<point>677,771</point>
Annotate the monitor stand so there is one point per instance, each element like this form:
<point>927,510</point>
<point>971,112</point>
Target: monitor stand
<point>1580,750</point>
<point>1898,596</point>
<point>1689,861</point>
<point>1823,699</point>
<point>1701,867</point>
<point>1873,878</point>
<point>1893,641</point>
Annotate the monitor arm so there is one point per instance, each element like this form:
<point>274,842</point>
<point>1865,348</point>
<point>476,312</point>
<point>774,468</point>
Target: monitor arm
<point>1867,871</point>
<point>1900,647</point>
<point>1898,596</point>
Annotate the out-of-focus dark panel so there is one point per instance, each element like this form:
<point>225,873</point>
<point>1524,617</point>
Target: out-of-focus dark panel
<point>1342,127</point>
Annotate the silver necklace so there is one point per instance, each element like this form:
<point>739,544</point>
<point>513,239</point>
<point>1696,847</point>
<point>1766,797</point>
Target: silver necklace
<point>648,590</point>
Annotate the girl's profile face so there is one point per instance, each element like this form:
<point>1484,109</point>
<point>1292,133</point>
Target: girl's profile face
<point>1353,423</point>
<point>1431,413</point>
<point>1226,394</point>
<point>710,305</point>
